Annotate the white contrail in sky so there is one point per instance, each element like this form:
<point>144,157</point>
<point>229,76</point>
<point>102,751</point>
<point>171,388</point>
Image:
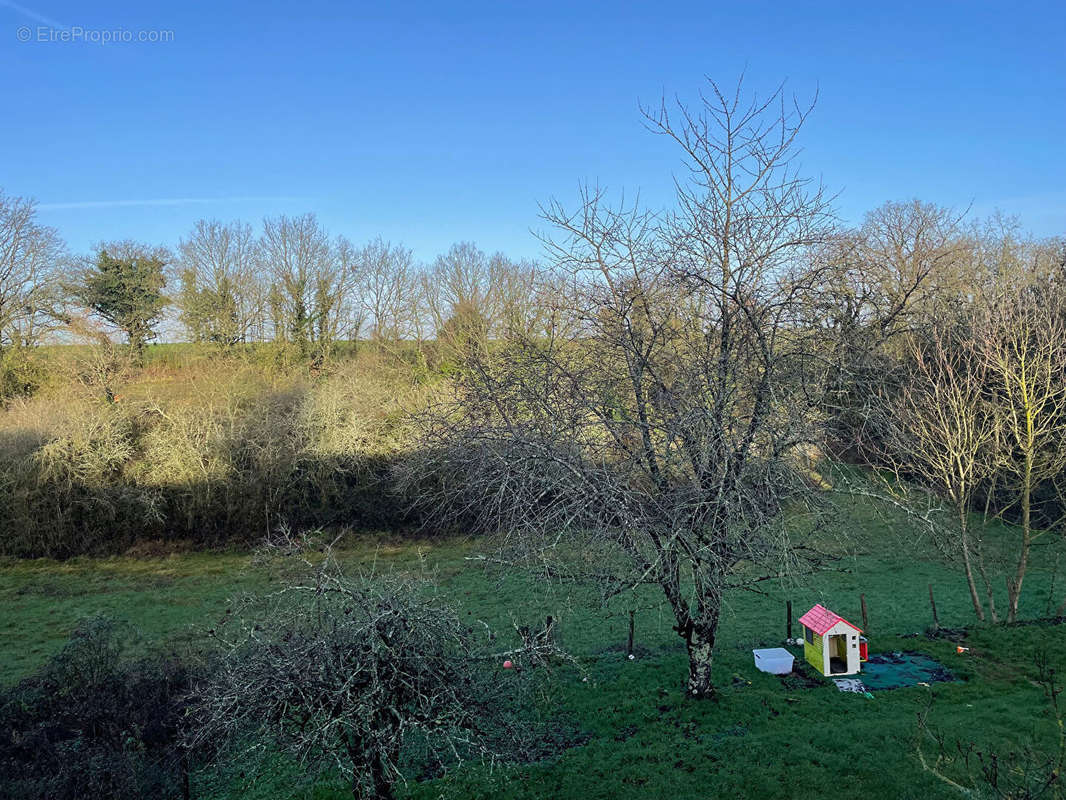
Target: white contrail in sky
<point>160,201</point>
<point>29,12</point>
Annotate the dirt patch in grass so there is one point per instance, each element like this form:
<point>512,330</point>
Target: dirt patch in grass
<point>801,677</point>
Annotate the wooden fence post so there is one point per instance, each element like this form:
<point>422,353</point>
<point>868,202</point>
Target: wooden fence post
<point>865,620</point>
<point>932,602</point>
<point>629,644</point>
<point>788,620</point>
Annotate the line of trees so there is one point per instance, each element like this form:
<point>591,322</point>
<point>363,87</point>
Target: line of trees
<point>227,284</point>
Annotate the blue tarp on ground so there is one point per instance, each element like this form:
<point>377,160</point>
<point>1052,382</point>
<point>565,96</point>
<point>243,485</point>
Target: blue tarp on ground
<point>899,669</point>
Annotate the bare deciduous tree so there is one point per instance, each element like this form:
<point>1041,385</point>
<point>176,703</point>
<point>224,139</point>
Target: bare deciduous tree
<point>518,306</point>
<point>659,431</point>
<point>880,282</point>
<point>943,432</point>
<point>221,292</point>
<point>313,281</point>
<point>348,314</point>
<point>31,257</point>
<point>910,253</point>
<point>1023,341</point>
<point>390,292</point>
<point>976,398</point>
<point>460,282</point>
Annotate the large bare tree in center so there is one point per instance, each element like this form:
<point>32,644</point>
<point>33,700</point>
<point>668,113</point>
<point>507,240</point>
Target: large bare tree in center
<point>659,433</point>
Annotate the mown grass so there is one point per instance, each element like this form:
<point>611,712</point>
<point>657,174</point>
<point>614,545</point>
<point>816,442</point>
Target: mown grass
<point>762,738</point>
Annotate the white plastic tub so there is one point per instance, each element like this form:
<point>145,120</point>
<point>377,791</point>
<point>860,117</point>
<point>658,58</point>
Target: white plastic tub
<point>775,660</point>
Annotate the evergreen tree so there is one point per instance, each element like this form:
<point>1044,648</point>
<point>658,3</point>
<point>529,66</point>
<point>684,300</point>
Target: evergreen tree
<point>125,287</point>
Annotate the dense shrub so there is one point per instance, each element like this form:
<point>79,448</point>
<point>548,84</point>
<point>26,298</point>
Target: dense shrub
<point>217,454</point>
<point>20,375</point>
<point>94,722</point>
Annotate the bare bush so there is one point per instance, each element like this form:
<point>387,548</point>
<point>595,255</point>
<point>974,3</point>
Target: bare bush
<point>350,675</point>
<point>96,721</point>
<point>1027,772</point>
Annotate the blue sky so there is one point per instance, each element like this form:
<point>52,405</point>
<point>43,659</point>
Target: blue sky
<point>431,123</point>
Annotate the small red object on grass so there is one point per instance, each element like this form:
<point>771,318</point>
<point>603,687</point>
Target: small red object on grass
<point>508,664</point>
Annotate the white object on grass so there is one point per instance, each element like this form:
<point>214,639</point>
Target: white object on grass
<point>775,660</point>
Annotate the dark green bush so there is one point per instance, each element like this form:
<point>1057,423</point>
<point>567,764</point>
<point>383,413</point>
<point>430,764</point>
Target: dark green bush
<point>95,722</point>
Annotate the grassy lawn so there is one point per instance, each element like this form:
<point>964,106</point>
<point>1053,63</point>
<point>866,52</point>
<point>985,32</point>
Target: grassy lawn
<point>763,738</point>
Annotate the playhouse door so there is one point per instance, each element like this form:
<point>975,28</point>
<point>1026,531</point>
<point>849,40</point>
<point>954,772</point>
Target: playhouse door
<point>838,654</point>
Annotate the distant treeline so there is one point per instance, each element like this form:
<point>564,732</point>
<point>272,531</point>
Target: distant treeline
<point>289,282</point>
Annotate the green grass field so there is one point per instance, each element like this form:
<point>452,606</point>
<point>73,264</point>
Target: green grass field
<point>762,738</point>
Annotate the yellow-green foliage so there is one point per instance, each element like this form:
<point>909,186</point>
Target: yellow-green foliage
<point>215,452</point>
<point>91,449</point>
<point>20,373</point>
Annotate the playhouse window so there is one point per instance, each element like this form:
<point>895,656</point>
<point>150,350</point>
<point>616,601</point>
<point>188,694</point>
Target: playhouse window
<point>808,634</point>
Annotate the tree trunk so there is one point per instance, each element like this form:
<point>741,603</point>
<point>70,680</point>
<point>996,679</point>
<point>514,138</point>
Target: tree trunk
<point>974,597</point>
<point>699,640</point>
<point>978,555</point>
<point>137,348</point>
<point>186,793</point>
<point>698,630</point>
<point>1015,586</point>
<point>629,643</point>
<point>382,785</point>
<point>989,593</point>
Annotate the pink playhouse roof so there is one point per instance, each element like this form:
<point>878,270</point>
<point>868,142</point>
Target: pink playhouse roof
<point>820,619</point>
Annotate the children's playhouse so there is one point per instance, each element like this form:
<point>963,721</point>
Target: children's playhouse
<point>831,644</point>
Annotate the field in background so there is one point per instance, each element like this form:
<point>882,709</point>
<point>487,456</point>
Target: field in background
<point>765,737</point>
